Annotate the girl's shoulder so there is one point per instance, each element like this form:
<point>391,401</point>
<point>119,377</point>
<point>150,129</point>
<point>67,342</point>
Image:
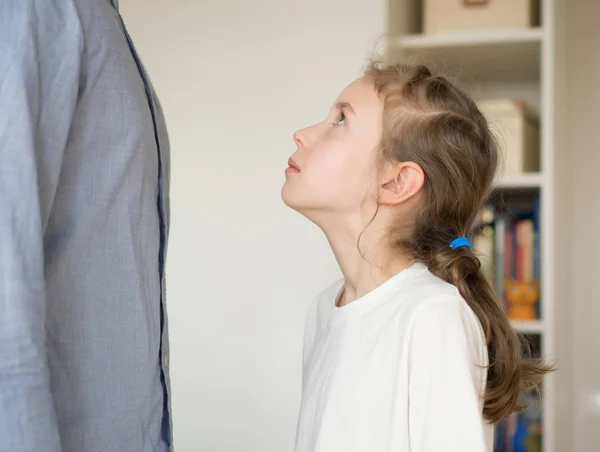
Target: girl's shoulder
<point>427,286</point>
<point>428,299</point>
<point>440,310</point>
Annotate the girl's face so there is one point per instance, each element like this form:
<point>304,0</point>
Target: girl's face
<point>334,169</point>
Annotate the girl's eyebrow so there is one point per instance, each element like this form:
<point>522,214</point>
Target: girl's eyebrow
<point>345,106</point>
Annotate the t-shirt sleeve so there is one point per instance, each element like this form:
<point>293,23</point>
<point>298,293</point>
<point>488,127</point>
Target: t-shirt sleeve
<point>447,359</point>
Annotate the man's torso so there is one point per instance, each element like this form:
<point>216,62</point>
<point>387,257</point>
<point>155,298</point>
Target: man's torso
<point>104,254</point>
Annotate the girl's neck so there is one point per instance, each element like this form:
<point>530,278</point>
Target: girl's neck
<point>364,259</point>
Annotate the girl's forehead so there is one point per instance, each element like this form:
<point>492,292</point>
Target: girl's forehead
<point>360,94</point>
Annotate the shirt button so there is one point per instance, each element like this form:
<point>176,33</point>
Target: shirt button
<point>165,360</point>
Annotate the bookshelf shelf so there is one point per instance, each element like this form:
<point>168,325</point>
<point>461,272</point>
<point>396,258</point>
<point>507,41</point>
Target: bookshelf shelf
<point>528,326</point>
<point>512,54</point>
<point>525,180</point>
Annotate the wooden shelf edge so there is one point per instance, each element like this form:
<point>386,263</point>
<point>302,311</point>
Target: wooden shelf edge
<point>469,38</point>
<point>528,326</point>
<point>525,180</point>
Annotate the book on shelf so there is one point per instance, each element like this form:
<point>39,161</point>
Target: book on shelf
<point>508,246</point>
<point>516,124</point>
<point>521,432</point>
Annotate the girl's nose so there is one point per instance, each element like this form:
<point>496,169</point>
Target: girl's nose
<point>299,138</point>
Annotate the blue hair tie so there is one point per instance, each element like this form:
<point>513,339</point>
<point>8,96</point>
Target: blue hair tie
<point>460,243</point>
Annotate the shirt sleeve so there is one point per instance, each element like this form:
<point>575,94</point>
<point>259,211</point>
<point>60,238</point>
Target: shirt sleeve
<point>40,48</point>
<point>447,356</point>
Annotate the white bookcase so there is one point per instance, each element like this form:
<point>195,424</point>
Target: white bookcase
<point>515,63</point>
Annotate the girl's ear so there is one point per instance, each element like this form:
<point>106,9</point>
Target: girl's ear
<point>400,183</point>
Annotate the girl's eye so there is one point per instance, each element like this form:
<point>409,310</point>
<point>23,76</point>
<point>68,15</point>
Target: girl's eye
<point>341,119</point>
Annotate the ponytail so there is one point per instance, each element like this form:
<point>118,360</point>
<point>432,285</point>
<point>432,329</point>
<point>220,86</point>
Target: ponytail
<point>511,370</point>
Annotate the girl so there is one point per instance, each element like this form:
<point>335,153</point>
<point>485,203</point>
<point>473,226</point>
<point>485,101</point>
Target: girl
<point>411,351</point>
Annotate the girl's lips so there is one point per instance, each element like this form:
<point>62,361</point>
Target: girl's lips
<point>292,167</point>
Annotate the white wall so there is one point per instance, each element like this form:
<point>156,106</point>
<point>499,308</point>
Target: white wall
<point>583,146</point>
<point>236,78</point>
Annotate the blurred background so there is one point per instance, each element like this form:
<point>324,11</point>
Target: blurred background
<point>237,78</point>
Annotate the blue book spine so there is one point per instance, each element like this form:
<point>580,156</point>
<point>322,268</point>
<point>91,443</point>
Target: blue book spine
<point>520,435</point>
<point>500,437</point>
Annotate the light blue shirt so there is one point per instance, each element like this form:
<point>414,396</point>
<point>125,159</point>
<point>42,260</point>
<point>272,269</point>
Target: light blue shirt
<point>83,231</point>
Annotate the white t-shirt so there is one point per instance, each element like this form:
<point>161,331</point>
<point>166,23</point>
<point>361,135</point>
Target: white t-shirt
<point>401,369</point>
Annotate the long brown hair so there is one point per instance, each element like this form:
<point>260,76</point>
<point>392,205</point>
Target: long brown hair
<point>430,121</point>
